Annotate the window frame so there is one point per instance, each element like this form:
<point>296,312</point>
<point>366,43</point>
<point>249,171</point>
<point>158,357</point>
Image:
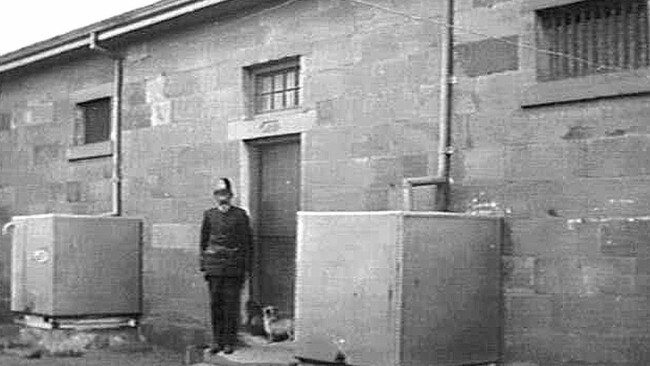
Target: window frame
<point>577,89</point>
<point>534,5</point>
<point>272,69</point>
<point>81,137</point>
<point>6,122</point>
<point>77,150</point>
<point>285,90</point>
<point>583,42</point>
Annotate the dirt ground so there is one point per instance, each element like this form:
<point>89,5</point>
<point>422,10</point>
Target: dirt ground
<point>154,357</point>
<point>18,345</point>
<point>256,352</point>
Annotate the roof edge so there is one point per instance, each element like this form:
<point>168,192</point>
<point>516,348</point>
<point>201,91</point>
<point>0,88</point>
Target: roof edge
<point>106,29</point>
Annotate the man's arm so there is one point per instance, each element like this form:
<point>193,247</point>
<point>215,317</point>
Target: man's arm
<point>205,236</point>
<point>205,231</point>
<point>247,242</point>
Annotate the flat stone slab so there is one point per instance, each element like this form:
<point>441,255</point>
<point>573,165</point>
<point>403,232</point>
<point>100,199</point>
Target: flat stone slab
<point>256,352</point>
<point>103,357</point>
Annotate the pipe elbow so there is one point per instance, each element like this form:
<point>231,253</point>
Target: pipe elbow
<point>7,226</point>
<point>93,45</point>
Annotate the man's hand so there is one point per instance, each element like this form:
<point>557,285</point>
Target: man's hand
<point>214,248</point>
<point>201,266</point>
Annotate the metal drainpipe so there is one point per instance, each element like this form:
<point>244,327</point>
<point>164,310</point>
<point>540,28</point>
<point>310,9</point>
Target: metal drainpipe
<point>442,179</point>
<point>116,123</point>
<point>446,103</point>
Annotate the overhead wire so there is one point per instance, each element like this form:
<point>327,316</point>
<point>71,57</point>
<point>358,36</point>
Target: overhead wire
<point>262,12</point>
<point>440,21</point>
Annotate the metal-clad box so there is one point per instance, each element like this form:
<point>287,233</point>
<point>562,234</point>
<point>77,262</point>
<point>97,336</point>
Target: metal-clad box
<point>400,288</point>
<point>71,265</point>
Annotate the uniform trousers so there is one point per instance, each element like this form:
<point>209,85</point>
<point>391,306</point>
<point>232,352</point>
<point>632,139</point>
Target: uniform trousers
<point>224,305</point>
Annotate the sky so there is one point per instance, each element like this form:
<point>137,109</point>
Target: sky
<point>24,22</point>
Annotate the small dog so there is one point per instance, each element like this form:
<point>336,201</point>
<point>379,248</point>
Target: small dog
<point>255,316</point>
<point>276,329</point>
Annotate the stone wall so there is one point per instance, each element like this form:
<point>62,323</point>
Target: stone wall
<point>573,179</point>
<point>370,95</point>
<point>575,290</point>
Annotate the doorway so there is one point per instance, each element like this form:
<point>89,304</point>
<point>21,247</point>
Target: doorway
<point>275,165</point>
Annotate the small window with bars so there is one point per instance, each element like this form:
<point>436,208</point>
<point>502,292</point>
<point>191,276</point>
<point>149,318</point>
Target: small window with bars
<point>93,121</point>
<point>276,86</point>
<point>5,121</point>
<point>594,36</point>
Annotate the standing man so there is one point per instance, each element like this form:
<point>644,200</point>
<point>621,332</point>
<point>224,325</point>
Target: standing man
<point>225,257</point>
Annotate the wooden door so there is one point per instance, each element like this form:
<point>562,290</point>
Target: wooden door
<point>278,202</point>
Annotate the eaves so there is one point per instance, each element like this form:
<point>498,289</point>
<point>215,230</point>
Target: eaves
<point>116,27</point>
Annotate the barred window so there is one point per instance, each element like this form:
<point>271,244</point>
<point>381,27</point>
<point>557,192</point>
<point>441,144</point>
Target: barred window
<point>596,36</point>
<point>5,121</point>
<point>93,122</point>
<point>276,86</point>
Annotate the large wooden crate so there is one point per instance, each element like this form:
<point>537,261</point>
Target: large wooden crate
<point>76,266</point>
<point>401,288</point>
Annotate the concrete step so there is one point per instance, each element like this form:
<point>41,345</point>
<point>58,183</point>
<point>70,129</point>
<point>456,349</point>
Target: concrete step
<point>27,342</point>
<point>60,339</point>
<point>255,351</point>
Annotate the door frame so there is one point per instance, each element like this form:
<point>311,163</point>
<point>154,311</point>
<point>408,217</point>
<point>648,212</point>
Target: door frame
<point>250,178</point>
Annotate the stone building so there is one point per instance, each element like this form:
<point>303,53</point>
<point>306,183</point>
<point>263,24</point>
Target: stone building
<point>327,105</point>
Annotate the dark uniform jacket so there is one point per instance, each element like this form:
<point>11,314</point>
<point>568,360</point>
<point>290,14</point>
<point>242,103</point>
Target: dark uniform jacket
<point>225,242</point>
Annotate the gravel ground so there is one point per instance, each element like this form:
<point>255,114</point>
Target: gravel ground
<point>155,357</point>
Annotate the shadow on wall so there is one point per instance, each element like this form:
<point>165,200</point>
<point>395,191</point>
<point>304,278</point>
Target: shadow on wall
<point>5,268</point>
